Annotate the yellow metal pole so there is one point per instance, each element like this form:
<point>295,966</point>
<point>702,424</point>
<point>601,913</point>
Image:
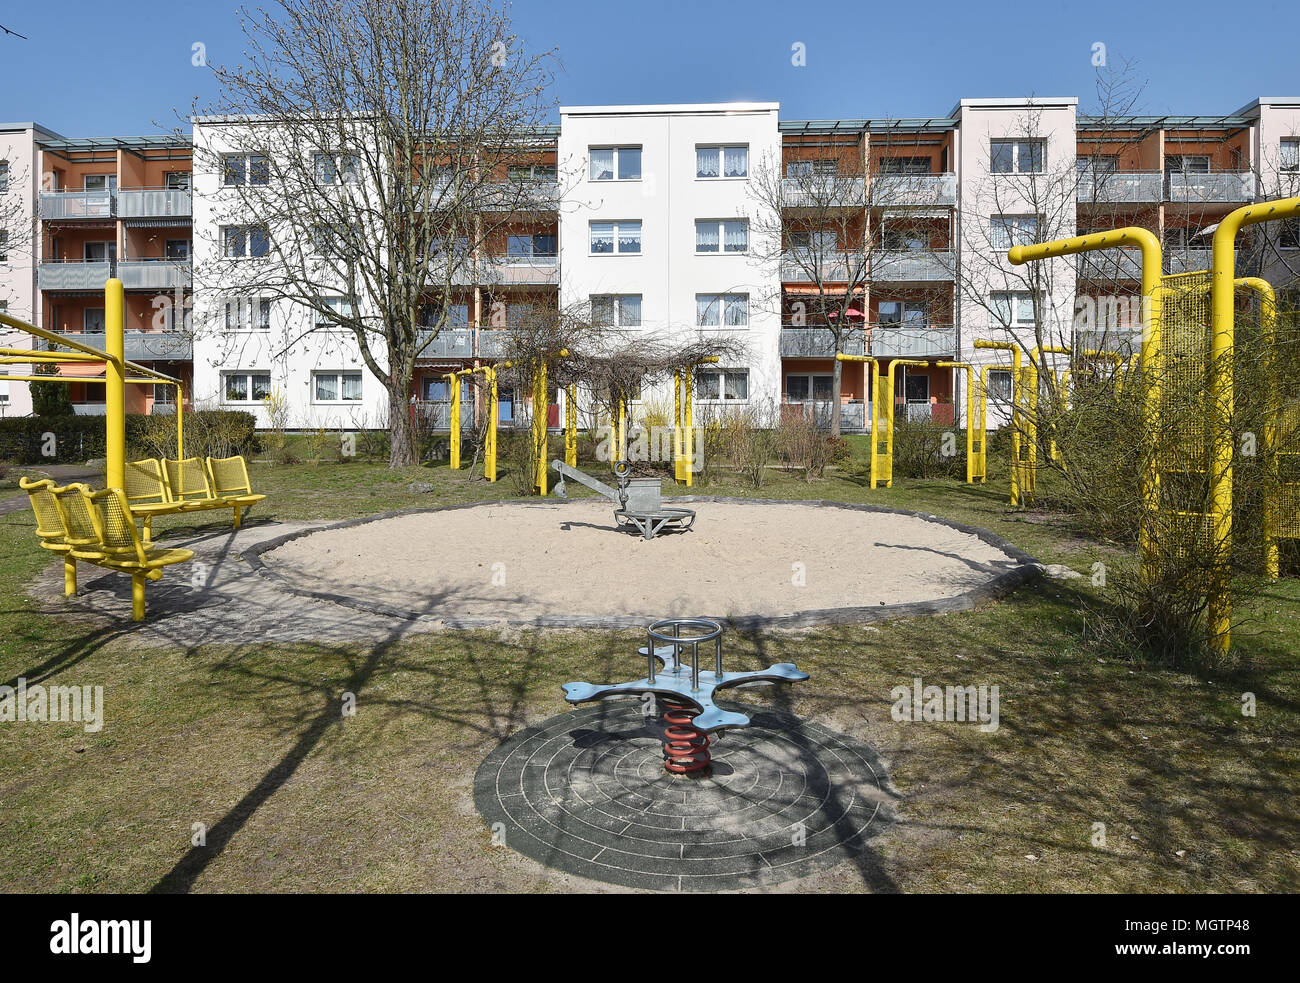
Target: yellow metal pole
<point>677,425</point>
<point>453,381</point>
<point>970,415</point>
<point>571,426</point>
<point>115,386</point>
<point>1017,382</point>
<point>1268,339</point>
<point>539,426</point>
<point>688,432</point>
<point>490,442</point>
<point>873,399</point>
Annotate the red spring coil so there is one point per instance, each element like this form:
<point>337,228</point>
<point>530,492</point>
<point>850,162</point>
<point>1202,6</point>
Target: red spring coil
<point>686,749</point>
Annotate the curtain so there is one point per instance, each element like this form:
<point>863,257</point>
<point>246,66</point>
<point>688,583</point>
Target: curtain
<point>736,236</point>
<point>737,311</point>
<point>735,161</point>
<point>706,161</point>
<point>327,387</point>
<point>602,165</point>
<point>706,310</point>
<point>351,385</point>
<point>602,237</point>
<point>629,311</point>
<point>706,237</point>
<point>629,237</point>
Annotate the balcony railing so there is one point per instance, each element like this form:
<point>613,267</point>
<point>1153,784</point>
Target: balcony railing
<point>1110,264</point>
<point>914,190</point>
<point>154,203</point>
<point>520,269</point>
<point>155,274</point>
<point>810,267</point>
<point>852,413</point>
<point>450,343</point>
<point>1106,187</point>
<point>804,342</point>
<point>141,346</point>
<point>912,341</point>
<point>56,205</point>
<point>1212,186</point>
<point>902,265</point>
<point>1188,260</point>
<point>824,191</point>
<point>533,195</point>
<point>73,275</point>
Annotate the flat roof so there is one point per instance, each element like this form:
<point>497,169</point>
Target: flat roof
<point>168,140</point>
<point>669,108</point>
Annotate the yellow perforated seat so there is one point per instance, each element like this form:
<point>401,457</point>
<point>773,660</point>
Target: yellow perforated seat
<point>50,529</point>
<point>121,547</point>
<point>230,482</point>
<point>148,494</point>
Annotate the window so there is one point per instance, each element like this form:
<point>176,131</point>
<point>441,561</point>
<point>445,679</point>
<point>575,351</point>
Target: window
<point>528,247</point>
<point>722,310</point>
<point>1000,385</point>
<point>4,386</point>
<point>246,386</point>
<point>242,241</point>
<point>1187,164</point>
<point>1288,155</point>
<point>4,245</point>
<point>177,249</point>
<point>339,307</point>
<point>616,310</point>
<point>903,313</point>
<point>722,385</point>
<point>4,182</point>
<point>530,172</point>
<point>813,243</point>
<point>1017,156</point>
<point>905,165</point>
<point>615,237</point>
<point>92,320</point>
<point>246,314</point>
<point>240,169</point>
<point>178,180</point>
<point>800,388</point>
<point>904,240</point>
<point>1013,308</point>
<point>1006,231</point>
<point>1289,235</point>
<point>1097,163</point>
<point>812,168</point>
<point>331,169</point>
<point>457,315</point>
<point>725,162</point>
<point>336,387</point>
<point>164,394</point>
<point>616,163</point>
<point>722,235</point>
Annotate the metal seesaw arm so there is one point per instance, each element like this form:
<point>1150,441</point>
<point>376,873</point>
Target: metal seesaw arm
<point>616,495</point>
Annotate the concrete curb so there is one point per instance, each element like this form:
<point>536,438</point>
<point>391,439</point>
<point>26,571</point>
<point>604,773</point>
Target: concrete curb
<point>1026,569</point>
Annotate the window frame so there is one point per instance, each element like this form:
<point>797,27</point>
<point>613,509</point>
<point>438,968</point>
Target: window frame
<point>1013,323</point>
<point>720,150</point>
<point>617,150</point>
<point>248,376</point>
<point>616,305</point>
<point>720,226</point>
<point>1016,143</point>
<point>338,375</point>
<point>697,388</point>
<point>722,302</point>
<point>616,226</point>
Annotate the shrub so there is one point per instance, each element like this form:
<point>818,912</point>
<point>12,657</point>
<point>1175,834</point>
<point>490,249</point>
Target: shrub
<point>920,446</point>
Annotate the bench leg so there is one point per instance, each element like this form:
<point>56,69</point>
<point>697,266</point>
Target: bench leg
<point>137,597</point>
<point>238,515</point>
<point>148,529</point>
<point>69,576</point>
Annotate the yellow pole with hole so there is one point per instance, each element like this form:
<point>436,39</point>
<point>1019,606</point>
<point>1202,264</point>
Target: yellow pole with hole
<point>677,426</point>
<point>539,427</point>
<point>1017,385</point>
<point>115,384</point>
<point>453,382</point>
<point>1268,342</point>
<point>571,426</point>
<point>873,400</point>
<point>971,468</point>
<point>490,442</point>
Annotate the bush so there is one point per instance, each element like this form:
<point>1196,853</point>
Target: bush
<point>74,439</point>
<point>803,446</point>
<point>919,450</point>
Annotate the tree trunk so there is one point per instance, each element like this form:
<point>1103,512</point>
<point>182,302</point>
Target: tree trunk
<point>837,381</point>
<point>402,451</point>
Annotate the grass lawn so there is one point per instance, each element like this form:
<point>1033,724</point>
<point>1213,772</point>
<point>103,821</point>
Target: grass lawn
<point>249,741</point>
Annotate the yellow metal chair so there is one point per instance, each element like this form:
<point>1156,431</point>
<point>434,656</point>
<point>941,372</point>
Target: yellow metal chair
<point>50,529</point>
<point>121,546</point>
<point>79,532</point>
<point>148,494</point>
<point>230,483</point>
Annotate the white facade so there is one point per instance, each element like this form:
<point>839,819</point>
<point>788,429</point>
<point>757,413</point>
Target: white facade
<point>668,198</point>
<point>19,185</point>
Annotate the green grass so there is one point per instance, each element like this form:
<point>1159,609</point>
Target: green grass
<point>249,740</point>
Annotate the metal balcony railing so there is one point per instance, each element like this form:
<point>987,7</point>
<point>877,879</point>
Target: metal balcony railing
<point>824,191</point>
<point>1107,187</point>
<point>57,205</point>
<point>1189,260</point>
<point>1211,186</point>
<point>914,190</point>
<point>155,274</point>
<point>140,345</point>
<point>912,341</point>
<point>72,274</point>
<point>1110,264</point>
<point>903,265</point>
<point>450,343</point>
<point>809,266</point>
<point>805,342</point>
<point>154,203</point>
<point>520,269</point>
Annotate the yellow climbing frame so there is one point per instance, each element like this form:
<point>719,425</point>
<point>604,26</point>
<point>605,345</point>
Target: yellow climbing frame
<point>684,421</point>
<point>976,458</point>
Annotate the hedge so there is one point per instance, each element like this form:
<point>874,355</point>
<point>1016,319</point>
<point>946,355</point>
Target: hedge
<point>75,439</point>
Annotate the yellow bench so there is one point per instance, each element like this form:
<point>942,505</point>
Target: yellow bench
<point>50,529</point>
<point>155,487</point>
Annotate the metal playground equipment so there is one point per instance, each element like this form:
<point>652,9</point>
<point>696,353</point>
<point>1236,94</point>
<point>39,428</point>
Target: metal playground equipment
<point>639,500</point>
<point>690,716</point>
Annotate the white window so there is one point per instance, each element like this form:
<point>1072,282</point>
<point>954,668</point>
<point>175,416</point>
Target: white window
<point>336,387</point>
<point>246,313</point>
<point>178,180</point>
<point>1097,163</point>
<point>4,245</point>
<point>164,394</point>
<point>4,179</point>
<point>1187,164</point>
<point>243,241</point>
<point>722,162</point>
<point>722,235</point>
<point>905,165</point>
<point>615,163</point>
<point>1013,308</point>
<point>616,310</point>
<point>722,310</point>
<point>615,237</point>
<point>1006,231</point>
<point>722,385</point>
<point>543,246</point>
<point>1289,154</point>
<point>904,313</point>
<point>4,386</point>
<point>339,307</point>
<point>246,386</point>
<point>240,169</point>
<point>523,173</point>
<point>1017,156</point>
<point>1000,385</point>
<point>337,169</point>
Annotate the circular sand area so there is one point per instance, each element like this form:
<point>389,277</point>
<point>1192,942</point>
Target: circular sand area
<point>567,563</point>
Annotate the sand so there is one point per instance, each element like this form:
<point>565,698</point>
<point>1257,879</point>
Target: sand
<point>521,562</point>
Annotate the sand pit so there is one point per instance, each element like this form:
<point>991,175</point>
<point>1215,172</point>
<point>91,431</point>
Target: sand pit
<point>564,563</point>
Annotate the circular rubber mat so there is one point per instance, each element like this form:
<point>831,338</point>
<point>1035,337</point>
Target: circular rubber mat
<point>586,792</point>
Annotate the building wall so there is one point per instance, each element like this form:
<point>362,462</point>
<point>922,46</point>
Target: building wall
<point>18,271</point>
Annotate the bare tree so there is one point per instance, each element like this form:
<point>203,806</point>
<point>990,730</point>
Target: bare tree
<point>362,151</point>
<point>839,212</point>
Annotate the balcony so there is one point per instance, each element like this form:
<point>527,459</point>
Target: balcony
<point>73,275</point>
<point>824,191</point>
<point>143,346</point>
<point>1110,187</point>
<point>450,343</point>
<point>853,413</point>
<point>60,205</point>
<point>491,343</point>
<point>831,267</point>
<point>805,342</point>
<point>1211,187</point>
<point>907,341</point>
<point>893,266</point>
<point>154,203</point>
<point>532,195</point>
<point>1110,264</point>
<point>914,190</point>
<point>155,274</point>
<point>520,270</point>
<point>1179,260</point>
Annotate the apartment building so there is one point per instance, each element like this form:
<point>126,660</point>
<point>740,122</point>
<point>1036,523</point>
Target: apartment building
<point>654,219</point>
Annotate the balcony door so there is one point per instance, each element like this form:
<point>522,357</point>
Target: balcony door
<point>99,252</point>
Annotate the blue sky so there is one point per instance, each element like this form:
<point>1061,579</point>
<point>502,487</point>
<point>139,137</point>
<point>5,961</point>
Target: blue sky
<point>94,69</point>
